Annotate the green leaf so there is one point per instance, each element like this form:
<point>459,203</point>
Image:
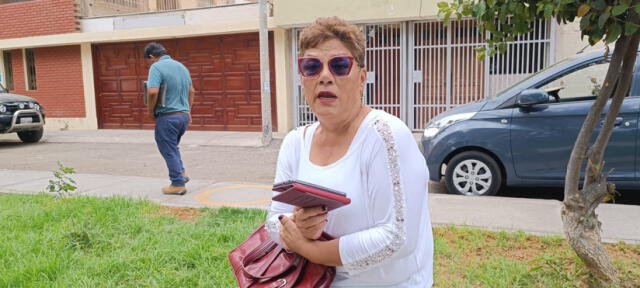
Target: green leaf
<point>637,9</point>
<point>443,5</point>
<point>613,33</point>
<point>548,10</point>
<point>584,23</point>
<point>625,2</point>
<point>503,14</point>
<point>502,47</point>
<point>521,26</point>
<point>539,6</point>
<point>619,9</point>
<point>491,26</point>
<point>599,5</point>
<point>603,19</point>
<point>481,56</point>
<point>468,10</point>
<point>597,32</point>
<point>583,10</point>
<point>479,9</point>
<point>630,28</point>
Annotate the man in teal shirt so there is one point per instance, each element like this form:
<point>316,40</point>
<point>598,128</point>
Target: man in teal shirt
<point>171,108</point>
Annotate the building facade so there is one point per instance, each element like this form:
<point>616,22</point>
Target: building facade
<point>82,59</point>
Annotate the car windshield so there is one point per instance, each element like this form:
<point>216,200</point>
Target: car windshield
<point>561,62</point>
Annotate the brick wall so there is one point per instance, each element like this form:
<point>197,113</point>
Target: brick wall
<point>38,17</point>
<point>58,80</point>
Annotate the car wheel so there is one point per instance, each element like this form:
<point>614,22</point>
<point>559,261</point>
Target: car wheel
<point>473,173</point>
<point>31,136</point>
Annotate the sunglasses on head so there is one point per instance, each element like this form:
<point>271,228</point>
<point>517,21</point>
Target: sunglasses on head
<point>340,66</point>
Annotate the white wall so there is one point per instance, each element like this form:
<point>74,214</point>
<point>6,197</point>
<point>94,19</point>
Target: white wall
<point>568,41</point>
<point>171,18</point>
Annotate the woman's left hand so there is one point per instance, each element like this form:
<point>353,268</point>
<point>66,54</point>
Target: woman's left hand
<point>310,221</point>
<point>291,237</point>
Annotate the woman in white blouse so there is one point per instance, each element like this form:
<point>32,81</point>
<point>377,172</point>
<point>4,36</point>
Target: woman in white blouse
<point>383,238</point>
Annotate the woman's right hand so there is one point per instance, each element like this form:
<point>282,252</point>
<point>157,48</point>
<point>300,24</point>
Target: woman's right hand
<point>310,221</point>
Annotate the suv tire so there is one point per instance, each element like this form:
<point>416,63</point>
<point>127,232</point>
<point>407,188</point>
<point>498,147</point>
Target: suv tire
<point>31,136</point>
<point>473,173</point>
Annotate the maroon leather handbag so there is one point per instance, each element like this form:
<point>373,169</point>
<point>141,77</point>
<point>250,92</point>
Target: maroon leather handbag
<point>260,262</point>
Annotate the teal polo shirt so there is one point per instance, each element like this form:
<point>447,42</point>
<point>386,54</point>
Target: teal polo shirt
<point>178,81</point>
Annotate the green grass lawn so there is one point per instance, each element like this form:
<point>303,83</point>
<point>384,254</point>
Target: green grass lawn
<point>115,242</point>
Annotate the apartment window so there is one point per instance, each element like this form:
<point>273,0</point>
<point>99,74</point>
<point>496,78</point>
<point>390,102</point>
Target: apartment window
<point>126,3</point>
<point>30,69</point>
<point>8,70</point>
<point>164,5</point>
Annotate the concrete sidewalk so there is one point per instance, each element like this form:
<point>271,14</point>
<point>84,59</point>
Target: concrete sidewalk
<point>201,193</point>
<point>202,138</point>
<point>121,136</point>
<point>534,216</point>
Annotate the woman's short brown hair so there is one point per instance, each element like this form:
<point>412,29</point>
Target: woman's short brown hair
<point>325,29</point>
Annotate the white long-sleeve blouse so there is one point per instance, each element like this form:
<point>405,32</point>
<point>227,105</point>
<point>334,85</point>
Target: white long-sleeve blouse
<point>385,237</point>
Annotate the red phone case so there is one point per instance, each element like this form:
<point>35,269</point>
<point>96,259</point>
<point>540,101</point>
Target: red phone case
<point>306,195</point>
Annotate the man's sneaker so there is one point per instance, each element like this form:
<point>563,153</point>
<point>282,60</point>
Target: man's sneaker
<point>174,190</point>
<point>186,178</point>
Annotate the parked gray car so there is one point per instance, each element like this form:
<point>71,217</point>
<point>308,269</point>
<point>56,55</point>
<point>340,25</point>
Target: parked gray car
<point>21,114</point>
<point>524,135</point>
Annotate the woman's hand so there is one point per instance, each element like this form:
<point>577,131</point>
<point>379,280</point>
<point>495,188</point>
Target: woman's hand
<point>310,221</point>
<point>291,237</point>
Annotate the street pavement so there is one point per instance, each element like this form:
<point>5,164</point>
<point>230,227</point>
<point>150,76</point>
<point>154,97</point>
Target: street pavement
<point>535,216</point>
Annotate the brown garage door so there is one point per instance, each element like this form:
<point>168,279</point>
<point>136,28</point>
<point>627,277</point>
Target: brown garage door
<point>225,72</point>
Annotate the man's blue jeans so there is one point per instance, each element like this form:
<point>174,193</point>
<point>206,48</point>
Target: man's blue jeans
<point>169,130</point>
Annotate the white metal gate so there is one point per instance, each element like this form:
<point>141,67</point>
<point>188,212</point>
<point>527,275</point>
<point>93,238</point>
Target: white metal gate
<point>446,72</point>
<point>417,70</point>
<point>385,60</point>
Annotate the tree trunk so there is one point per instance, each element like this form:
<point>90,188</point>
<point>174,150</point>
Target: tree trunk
<point>581,224</point>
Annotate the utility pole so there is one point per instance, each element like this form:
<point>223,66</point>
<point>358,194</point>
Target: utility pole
<point>265,78</point>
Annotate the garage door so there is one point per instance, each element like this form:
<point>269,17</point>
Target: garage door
<point>225,72</point>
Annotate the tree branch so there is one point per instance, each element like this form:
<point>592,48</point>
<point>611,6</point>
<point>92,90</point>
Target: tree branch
<point>596,152</point>
<point>580,147</point>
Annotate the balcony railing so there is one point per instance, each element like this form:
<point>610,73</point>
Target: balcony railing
<point>97,8</point>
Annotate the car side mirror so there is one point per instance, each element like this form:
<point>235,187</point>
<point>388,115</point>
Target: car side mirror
<point>532,97</point>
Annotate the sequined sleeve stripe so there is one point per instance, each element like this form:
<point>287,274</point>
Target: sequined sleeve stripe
<point>399,232</point>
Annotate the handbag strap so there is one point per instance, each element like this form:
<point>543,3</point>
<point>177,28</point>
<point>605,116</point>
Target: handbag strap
<point>272,248</point>
<point>259,252</point>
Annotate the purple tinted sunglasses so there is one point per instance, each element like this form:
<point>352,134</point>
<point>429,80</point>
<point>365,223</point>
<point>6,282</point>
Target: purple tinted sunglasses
<point>340,66</point>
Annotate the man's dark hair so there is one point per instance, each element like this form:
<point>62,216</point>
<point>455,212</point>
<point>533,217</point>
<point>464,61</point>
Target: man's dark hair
<point>154,49</point>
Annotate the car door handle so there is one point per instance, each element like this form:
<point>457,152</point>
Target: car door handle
<point>617,122</point>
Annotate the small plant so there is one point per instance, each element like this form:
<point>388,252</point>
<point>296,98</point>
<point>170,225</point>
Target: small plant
<point>596,86</point>
<point>63,185</point>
